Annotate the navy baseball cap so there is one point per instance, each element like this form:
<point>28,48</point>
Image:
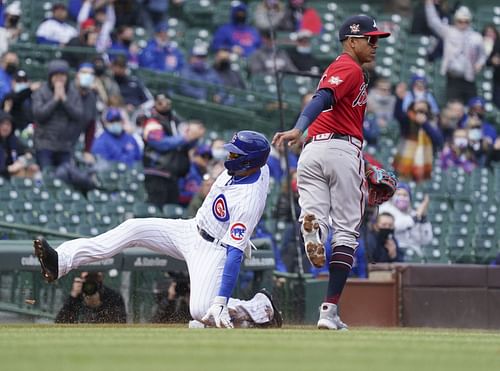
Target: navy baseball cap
<point>113,114</point>
<point>360,25</point>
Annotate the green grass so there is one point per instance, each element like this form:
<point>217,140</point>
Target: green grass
<point>137,348</point>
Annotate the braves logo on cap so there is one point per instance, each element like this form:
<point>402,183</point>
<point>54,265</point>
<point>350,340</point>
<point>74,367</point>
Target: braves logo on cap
<point>219,208</point>
<point>238,231</point>
<point>354,28</point>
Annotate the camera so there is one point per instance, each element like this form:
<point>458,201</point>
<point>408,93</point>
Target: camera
<point>92,284</point>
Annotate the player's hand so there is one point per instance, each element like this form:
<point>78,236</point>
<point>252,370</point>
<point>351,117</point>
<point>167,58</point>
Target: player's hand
<point>292,136</point>
<point>218,313</point>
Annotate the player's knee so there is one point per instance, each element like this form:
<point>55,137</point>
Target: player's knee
<point>198,308</point>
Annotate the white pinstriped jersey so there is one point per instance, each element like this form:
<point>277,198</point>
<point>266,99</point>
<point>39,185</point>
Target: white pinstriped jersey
<point>231,212</point>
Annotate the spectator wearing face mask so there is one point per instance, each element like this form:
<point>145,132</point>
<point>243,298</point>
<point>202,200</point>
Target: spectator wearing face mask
<point>114,144</point>
<point>412,230</point>
<point>450,116</point>
<point>419,91</point>
<point>264,60</point>
<point>299,16</point>
<point>228,76</point>
<point>105,85</point>
<point>56,30</point>
<point>458,153</point>
<point>84,81</point>
<point>18,102</point>
<point>242,38</point>
<point>191,183</point>
<point>160,54</point>
<point>381,245</point>
<point>9,63</point>
<point>269,15</point>
<point>124,44</point>
<point>302,56</point>
<point>475,117</point>
<point>381,102</point>
<point>11,29</point>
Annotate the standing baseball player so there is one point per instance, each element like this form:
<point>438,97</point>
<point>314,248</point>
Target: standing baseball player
<point>212,243</point>
<point>331,172</point>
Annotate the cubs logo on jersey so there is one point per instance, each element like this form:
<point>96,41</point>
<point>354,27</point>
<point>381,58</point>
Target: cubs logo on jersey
<point>238,231</point>
<point>219,208</point>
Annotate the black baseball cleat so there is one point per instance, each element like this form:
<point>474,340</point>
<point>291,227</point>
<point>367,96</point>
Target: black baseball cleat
<point>277,320</point>
<point>48,259</point>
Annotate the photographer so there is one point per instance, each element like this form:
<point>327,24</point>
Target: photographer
<point>381,245</point>
<point>172,298</point>
<point>92,302</point>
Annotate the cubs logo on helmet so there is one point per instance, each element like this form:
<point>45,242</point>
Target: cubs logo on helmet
<point>238,231</point>
<point>219,208</point>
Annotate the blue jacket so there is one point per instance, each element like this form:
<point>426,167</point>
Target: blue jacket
<point>161,58</point>
<point>231,34</point>
<point>5,83</point>
<point>123,148</point>
<point>190,184</point>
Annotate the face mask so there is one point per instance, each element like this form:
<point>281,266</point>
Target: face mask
<point>163,112</point>
<point>86,80</point>
<point>199,66</point>
<point>20,86</point>
<point>219,154</point>
<point>99,70</point>
<point>224,64</point>
<point>11,68</point>
<point>115,128</point>
<point>402,203</point>
<point>127,42</point>
<point>460,142</point>
<point>240,19</point>
<point>12,21</point>
<point>303,49</point>
<point>419,95</point>
<point>475,134</point>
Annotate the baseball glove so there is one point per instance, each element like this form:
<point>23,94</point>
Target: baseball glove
<point>381,185</point>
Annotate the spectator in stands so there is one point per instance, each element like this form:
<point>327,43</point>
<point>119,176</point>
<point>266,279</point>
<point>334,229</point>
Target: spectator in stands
<point>105,86</point>
<point>90,301</point>
<point>166,147</point>
<point>412,230</point>
<point>123,43</point>
<point>381,245</point>
<point>18,102</point>
<point>450,117</point>
<point>302,56</point>
<point>160,54</point>
<point>237,35</point>
<point>262,61</point>
<point>381,102</point>
<point>277,164</point>
<point>494,62</point>
<point>464,55</point>
<point>104,17</point>
<point>222,66</point>
<point>11,29</point>
<point>269,15</point>
<point>191,183</point>
<point>84,81</point>
<point>301,17</point>
<point>15,160</point>
<point>114,144</point>
<point>132,90</point>
<point>476,117</point>
<point>419,91</point>
<point>198,70</point>
<point>199,197</point>
<point>9,64</point>
<point>56,30</point>
<point>419,139</point>
<point>458,153</point>
<point>58,110</point>
<point>172,300</point>
<point>86,38</point>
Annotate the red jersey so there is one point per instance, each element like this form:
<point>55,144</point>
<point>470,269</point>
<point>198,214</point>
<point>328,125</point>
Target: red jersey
<point>344,77</point>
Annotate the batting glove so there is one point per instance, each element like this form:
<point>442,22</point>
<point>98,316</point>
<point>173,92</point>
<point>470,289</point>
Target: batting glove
<point>219,313</point>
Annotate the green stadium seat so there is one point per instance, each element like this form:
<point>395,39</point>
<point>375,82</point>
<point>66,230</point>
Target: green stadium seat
<point>173,211</point>
<point>145,210</point>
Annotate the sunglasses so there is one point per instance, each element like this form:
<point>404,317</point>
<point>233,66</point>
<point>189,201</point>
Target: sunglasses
<point>372,40</point>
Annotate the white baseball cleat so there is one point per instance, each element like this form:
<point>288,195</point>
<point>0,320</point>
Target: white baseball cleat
<point>329,318</point>
<point>315,250</point>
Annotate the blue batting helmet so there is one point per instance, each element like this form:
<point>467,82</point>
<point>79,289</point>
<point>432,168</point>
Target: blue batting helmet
<point>253,149</point>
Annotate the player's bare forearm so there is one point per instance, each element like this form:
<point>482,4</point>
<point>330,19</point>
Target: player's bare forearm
<point>291,136</point>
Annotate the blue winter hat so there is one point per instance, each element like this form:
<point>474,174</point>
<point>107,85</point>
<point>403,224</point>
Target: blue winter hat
<point>406,187</point>
<point>476,101</point>
<point>416,78</point>
<point>161,27</point>
<point>113,114</point>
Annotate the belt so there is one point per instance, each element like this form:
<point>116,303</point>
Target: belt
<point>327,136</point>
<point>207,237</point>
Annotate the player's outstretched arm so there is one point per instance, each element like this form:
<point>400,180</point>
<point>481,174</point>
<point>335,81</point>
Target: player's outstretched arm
<point>218,311</point>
